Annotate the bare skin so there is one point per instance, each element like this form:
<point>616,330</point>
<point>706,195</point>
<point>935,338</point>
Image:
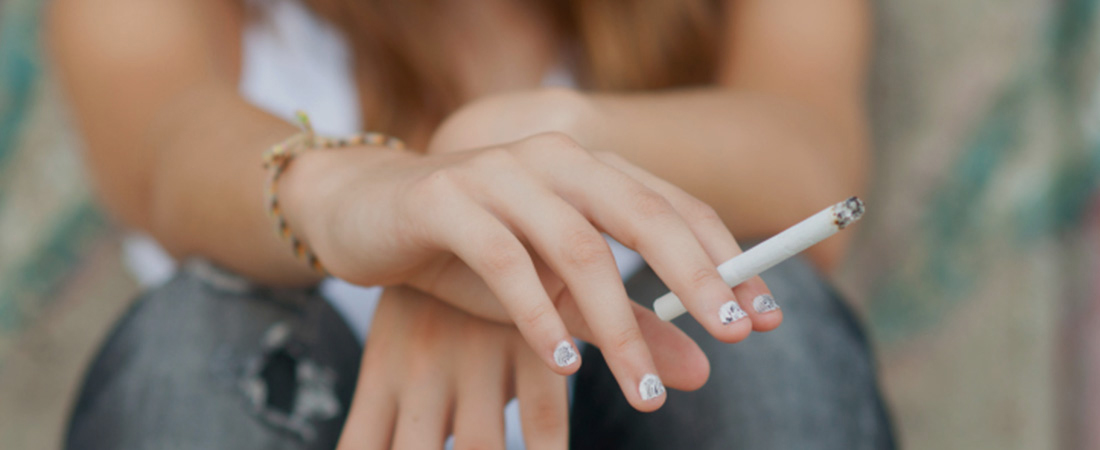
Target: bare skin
<point>415,373</point>
<point>790,91</point>
<point>174,151</point>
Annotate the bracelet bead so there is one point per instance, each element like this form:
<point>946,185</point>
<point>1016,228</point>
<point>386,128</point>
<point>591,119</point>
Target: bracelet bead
<point>279,156</point>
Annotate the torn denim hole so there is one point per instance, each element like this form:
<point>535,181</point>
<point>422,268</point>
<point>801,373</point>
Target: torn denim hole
<point>286,389</point>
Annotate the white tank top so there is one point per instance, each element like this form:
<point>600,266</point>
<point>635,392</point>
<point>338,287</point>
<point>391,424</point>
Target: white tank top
<point>294,60</point>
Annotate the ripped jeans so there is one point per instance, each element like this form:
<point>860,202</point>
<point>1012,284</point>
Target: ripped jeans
<point>209,361</point>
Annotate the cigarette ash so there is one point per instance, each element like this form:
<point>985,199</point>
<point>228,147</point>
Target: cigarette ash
<point>848,211</point>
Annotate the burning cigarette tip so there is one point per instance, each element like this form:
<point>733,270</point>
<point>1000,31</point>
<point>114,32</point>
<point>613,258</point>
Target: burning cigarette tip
<point>847,212</point>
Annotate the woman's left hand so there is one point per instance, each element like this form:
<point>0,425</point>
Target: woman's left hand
<point>430,370</point>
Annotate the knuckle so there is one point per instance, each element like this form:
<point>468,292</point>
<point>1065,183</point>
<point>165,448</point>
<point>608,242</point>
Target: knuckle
<point>554,139</point>
<point>558,294</point>
<point>434,186</point>
<point>533,317</point>
<point>544,415</point>
<point>703,213</point>
<point>554,143</point>
<point>494,159</point>
<point>649,204</point>
<point>585,249</point>
<point>703,277</point>
<point>625,340</point>
<point>501,256</point>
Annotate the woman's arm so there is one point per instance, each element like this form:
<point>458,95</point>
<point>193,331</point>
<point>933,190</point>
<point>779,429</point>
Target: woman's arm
<point>177,152</point>
<point>785,132</point>
<point>172,148</point>
<point>782,134</point>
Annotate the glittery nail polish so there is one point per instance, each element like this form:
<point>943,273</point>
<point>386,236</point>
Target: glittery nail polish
<point>565,354</point>
<point>764,303</point>
<point>650,387</point>
<point>730,312</point>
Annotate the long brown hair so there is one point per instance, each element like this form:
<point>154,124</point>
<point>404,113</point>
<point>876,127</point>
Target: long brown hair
<point>621,45</point>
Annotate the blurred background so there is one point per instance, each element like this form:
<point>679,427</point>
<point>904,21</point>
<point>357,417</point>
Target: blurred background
<point>975,268</point>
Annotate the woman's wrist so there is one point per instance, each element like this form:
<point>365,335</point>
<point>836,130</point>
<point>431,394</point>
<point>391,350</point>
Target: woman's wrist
<point>311,187</point>
<point>571,112</point>
<point>516,116</point>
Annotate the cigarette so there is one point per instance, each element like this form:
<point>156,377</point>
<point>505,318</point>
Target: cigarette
<point>767,254</point>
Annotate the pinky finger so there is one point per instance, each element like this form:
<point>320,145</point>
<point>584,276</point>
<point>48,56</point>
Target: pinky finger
<point>543,404</point>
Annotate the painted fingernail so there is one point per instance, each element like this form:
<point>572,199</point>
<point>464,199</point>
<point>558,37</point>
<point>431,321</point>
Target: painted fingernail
<point>650,387</point>
<point>565,354</point>
<point>731,311</point>
<point>764,303</point>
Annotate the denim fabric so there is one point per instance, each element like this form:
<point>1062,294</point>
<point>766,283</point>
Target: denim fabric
<point>209,361</point>
<point>808,385</point>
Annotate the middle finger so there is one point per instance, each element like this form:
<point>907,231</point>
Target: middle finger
<point>580,256</point>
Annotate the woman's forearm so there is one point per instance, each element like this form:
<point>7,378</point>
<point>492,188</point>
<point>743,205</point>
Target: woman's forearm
<point>206,188</point>
<point>171,146</point>
<point>762,162</point>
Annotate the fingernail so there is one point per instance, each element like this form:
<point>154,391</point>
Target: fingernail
<point>565,354</point>
<point>650,387</point>
<point>731,311</point>
<point>764,303</point>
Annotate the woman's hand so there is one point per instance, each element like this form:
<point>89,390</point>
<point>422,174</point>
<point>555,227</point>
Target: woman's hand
<point>430,370</point>
<point>402,217</point>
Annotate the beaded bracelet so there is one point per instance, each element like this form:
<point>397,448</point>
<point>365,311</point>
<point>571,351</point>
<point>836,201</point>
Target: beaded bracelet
<point>277,158</point>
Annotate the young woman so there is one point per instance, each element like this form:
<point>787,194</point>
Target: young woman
<point>680,125</point>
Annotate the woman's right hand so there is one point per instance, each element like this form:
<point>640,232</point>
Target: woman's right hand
<point>389,218</point>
